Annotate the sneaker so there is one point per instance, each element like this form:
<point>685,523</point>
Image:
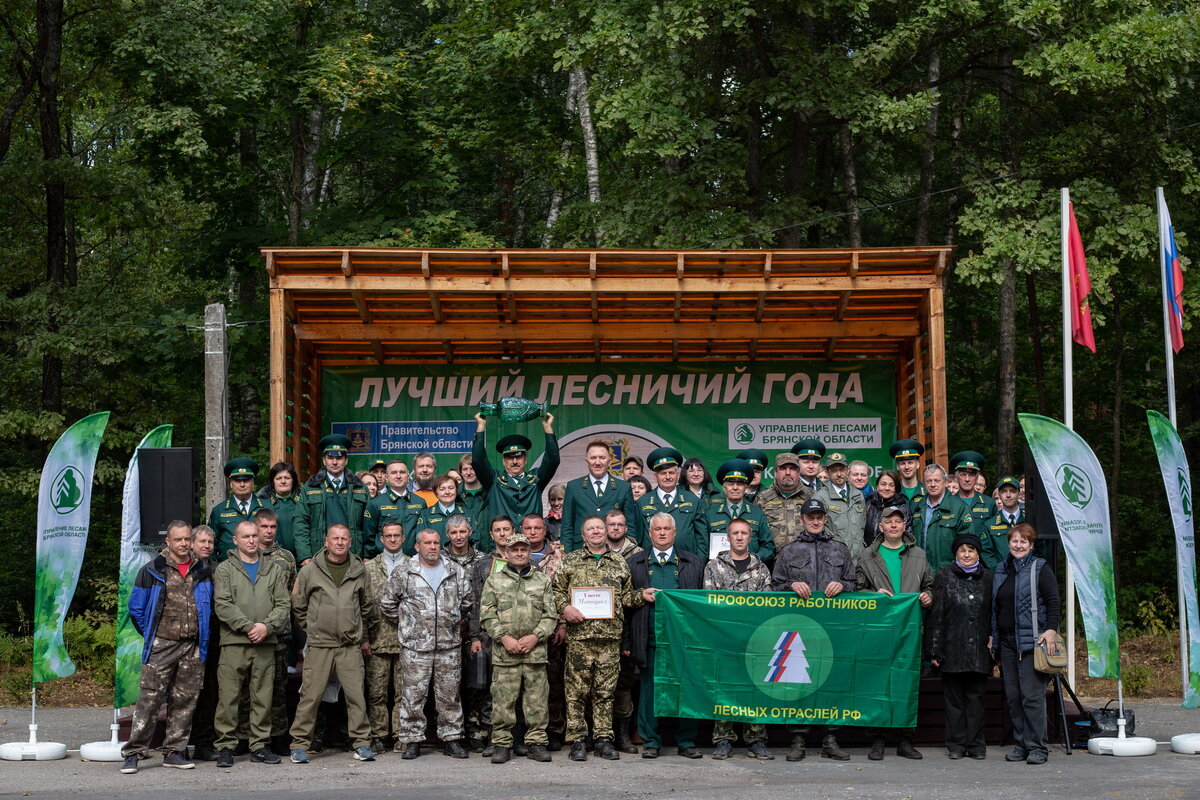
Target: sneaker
<point>225,758</point>
<point>978,755</point>
<point>723,750</point>
<point>177,760</point>
<point>1036,757</point>
<point>130,765</point>
<point>955,752</point>
<point>299,756</point>
<point>1017,754</point>
<point>364,753</point>
<point>759,750</point>
<point>264,756</point>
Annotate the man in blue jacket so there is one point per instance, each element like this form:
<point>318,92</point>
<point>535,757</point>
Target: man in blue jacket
<point>171,607</point>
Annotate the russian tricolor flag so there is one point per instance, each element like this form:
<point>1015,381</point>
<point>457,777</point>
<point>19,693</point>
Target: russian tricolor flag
<point>1172,275</point>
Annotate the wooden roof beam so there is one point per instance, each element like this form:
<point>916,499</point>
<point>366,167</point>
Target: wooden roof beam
<point>592,279</point>
<point>377,347</point>
<point>542,284</point>
<point>556,330</point>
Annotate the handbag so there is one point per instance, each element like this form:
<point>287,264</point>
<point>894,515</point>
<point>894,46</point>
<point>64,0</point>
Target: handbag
<point>1104,721</point>
<point>1043,662</point>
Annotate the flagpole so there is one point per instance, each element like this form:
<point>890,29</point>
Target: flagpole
<point>1068,406</point>
<point>1160,204</point>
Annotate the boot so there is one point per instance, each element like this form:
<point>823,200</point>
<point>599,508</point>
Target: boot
<point>877,745</point>
<point>604,749</point>
<point>906,750</point>
<point>621,734</point>
<point>796,753</point>
<point>830,749</point>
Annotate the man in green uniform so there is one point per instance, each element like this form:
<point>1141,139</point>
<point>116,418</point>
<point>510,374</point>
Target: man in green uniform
<point>966,466</point>
<point>593,495</point>
<point>938,517</point>
<point>810,453</point>
<point>660,566</point>
<point>1008,514</point>
<point>332,601</point>
<point>758,459</point>
<point>593,573</point>
<point>445,489</point>
<point>474,499</point>
<point>385,680</point>
<point>907,453</point>
<point>734,475</point>
<point>518,612</point>
<point>845,508</point>
<point>691,522</point>
<point>238,507</point>
<point>514,492</point>
<point>395,503</point>
<point>781,502</point>
<point>251,601</point>
<point>334,496</point>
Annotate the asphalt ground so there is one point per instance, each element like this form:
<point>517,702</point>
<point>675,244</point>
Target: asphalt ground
<point>1163,776</point>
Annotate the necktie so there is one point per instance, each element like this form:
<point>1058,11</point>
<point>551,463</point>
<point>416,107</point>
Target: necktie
<point>599,488</point>
<point>843,494</point>
<point>736,511</point>
<point>662,558</point>
<point>244,507</point>
<point>667,500</point>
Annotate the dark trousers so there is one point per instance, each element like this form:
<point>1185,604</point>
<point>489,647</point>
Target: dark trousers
<point>1025,691</point>
<point>647,722</point>
<point>964,692</point>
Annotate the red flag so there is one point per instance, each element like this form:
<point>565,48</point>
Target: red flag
<point>1081,285</point>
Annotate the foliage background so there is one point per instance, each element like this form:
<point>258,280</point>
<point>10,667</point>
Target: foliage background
<point>148,149</point>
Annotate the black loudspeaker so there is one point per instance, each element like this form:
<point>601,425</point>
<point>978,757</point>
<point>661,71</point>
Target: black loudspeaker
<point>169,479</point>
<point>1038,512</point>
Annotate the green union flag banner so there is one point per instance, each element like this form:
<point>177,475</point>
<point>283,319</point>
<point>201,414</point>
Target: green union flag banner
<point>776,657</point>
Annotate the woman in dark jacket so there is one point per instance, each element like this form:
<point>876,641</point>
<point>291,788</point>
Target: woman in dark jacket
<point>887,493</point>
<point>1025,615</point>
<point>697,481</point>
<point>959,626</point>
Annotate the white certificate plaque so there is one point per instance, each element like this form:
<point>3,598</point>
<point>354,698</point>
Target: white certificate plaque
<point>718,542</point>
<point>594,602</point>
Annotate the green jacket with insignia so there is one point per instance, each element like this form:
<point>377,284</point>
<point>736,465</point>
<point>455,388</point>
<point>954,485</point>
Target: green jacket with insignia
<point>518,604</point>
<point>583,568</point>
<point>312,520</point>
<point>581,502</point>
<point>387,506</point>
<point>762,544</point>
<point>951,518</point>
<point>224,517</point>
<point>688,511</point>
<point>475,501</point>
<point>514,496</point>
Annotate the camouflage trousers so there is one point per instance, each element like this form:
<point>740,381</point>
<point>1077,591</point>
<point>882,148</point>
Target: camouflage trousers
<point>724,730</point>
<point>591,678</point>
<point>172,675</point>
<point>509,682</point>
<point>320,664</point>
<point>443,668</point>
<point>240,662</point>
<point>385,682</point>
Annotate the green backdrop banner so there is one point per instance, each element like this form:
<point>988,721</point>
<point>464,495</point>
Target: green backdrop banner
<point>776,657</point>
<point>706,411</point>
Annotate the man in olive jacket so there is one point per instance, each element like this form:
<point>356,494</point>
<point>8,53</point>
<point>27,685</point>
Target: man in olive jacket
<point>332,601</point>
<point>251,600</point>
<point>517,610</point>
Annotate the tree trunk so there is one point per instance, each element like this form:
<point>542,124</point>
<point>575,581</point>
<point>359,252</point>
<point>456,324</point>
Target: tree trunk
<point>754,188</point>
<point>928,153</point>
<point>296,129</point>
<point>49,62</point>
<point>1006,413</point>
<point>1035,331</point>
<point>556,198</point>
<point>953,203</point>
<point>796,173</point>
<point>591,151</point>
<point>850,187</point>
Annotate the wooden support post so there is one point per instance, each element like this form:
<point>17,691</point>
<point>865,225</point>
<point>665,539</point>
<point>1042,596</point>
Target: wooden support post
<point>216,404</point>
<point>937,374</point>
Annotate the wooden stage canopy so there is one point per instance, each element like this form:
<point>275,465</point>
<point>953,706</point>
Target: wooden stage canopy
<point>344,306</point>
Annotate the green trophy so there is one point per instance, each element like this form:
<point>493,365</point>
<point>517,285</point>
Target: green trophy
<point>513,409</point>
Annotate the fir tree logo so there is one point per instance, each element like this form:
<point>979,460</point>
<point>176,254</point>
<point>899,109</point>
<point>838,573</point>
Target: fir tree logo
<point>65,491</point>
<point>1185,493</point>
<point>1075,485</point>
<point>789,664</point>
<point>743,434</point>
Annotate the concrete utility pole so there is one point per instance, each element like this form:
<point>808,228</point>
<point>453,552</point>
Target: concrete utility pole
<point>216,404</point>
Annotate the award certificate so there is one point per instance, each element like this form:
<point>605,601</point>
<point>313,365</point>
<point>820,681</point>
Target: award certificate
<point>594,602</point>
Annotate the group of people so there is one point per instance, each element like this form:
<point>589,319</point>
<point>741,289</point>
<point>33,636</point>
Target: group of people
<point>529,629</point>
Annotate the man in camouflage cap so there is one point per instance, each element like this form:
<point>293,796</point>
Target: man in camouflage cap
<point>429,599</point>
<point>518,612</point>
<point>593,644</point>
<point>781,502</point>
